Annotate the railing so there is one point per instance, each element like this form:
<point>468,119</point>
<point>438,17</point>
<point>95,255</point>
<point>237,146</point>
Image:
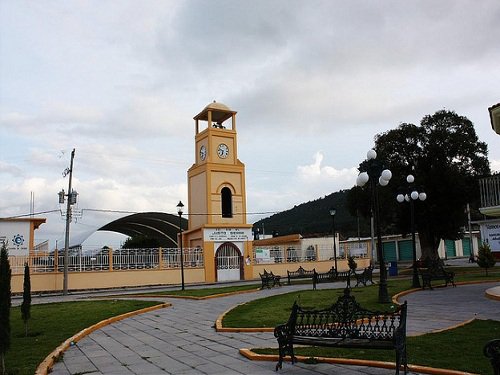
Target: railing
<point>490,191</point>
<point>106,260</point>
<point>293,254</point>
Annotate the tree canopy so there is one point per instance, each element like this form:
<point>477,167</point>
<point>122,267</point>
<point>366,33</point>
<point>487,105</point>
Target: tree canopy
<point>446,157</point>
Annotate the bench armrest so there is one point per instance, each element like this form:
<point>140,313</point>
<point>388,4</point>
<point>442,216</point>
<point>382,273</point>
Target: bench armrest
<point>282,332</point>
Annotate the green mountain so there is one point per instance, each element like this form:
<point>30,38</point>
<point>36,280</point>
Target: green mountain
<point>313,219</point>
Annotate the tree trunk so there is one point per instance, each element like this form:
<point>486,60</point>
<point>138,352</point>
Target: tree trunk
<point>429,245</point>
<point>3,364</point>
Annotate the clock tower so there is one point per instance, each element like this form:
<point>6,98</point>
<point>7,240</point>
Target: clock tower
<point>217,197</point>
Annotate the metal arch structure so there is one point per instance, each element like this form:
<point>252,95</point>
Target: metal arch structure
<point>164,227</point>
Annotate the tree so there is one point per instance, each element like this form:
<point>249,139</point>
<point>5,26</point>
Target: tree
<point>140,242</point>
<point>446,158</point>
<point>352,264</point>
<point>485,258</point>
<point>5,303</point>
<point>26,305</point>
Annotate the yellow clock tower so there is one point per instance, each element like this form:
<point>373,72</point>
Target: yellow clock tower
<point>217,198</point>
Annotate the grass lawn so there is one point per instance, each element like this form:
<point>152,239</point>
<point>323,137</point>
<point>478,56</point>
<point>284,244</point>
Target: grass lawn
<point>458,349</point>
<point>51,324</point>
<point>271,311</point>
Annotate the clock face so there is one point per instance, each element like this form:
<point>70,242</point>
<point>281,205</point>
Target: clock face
<point>203,152</point>
<point>223,151</point>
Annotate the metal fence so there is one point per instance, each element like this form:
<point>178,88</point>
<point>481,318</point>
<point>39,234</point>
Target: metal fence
<point>311,253</point>
<point>106,260</point>
<point>490,191</point>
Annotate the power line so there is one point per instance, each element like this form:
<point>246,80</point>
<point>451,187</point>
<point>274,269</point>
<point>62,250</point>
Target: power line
<point>31,214</point>
<point>137,212</point>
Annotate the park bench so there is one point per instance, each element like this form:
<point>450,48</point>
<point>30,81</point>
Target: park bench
<point>345,324</point>
<point>492,351</point>
<point>331,276</point>
<point>365,276</point>
<point>300,274</point>
<point>434,270</point>
<point>269,280</point>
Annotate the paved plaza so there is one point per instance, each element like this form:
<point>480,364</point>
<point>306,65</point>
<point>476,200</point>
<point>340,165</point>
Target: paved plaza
<point>182,340</point>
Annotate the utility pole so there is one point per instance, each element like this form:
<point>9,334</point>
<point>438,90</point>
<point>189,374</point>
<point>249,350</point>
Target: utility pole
<point>68,220</point>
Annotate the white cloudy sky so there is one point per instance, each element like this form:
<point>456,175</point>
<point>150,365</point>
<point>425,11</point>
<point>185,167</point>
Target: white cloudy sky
<point>312,81</point>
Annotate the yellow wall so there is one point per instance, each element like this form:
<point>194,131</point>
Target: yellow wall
<point>208,253</point>
<point>282,268</point>
<point>51,281</point>
<point>197,199</point>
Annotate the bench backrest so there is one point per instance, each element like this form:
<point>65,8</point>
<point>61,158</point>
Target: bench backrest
<point>347,319</point>
<point>301,272</point>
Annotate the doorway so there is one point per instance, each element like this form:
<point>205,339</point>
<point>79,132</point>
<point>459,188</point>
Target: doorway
<point>229,262</point>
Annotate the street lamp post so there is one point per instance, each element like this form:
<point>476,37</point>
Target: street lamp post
<point>411,196</point>
<point>376,171</point>
<point>180,207</point>
<point>333,211</point>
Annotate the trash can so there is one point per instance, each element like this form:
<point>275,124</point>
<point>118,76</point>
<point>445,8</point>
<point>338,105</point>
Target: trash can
<point>393,268</point>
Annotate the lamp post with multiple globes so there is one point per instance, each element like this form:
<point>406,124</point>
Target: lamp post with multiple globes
<point>377,173</point>
<point>411,196</point>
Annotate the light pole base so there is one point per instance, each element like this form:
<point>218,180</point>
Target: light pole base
<point>416,281</point>
<point>383,294</point>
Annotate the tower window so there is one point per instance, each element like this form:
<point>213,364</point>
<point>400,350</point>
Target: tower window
<point>227,202</point>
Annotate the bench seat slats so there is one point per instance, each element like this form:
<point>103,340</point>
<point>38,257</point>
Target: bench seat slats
<point>344,343</point>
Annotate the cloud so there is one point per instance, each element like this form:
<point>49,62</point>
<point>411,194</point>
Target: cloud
<point>121,83</point>
<point>317,174</point>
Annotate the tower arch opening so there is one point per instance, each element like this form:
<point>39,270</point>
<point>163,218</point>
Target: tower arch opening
<point>226,202</point>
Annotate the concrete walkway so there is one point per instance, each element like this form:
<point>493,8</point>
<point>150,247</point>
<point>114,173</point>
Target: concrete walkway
<point>181,339</point>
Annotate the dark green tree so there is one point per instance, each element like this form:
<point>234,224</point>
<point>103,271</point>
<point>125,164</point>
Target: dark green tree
<point>446,158</point>
<point>485,258</point>
<point>26,305</point>
<point>352,264</point>
<point>5,304</point>
<point>140,242</point>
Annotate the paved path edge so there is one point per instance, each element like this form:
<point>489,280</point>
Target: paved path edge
<point>46,365</point>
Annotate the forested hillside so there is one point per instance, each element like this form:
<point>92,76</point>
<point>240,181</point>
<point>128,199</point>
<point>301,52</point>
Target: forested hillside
<point>313,219</point>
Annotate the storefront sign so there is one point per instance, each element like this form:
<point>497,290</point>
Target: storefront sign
<point>491,234</point>
<point>227,234</point>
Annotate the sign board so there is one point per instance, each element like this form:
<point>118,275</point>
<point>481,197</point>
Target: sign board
<point>16,236</point>
<point>263,256</point>
<point>490,233</point>
<point>227,234</point>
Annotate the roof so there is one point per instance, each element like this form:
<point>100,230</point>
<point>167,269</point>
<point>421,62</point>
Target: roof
<point>159,225</point>
<point>280,240</point>
<point>495,117</point>
<point>37,221</point>
<point>220,112</point>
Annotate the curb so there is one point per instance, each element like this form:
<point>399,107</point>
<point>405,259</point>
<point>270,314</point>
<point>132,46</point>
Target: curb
<point>491,295</point>
<point>220,328</point>
<point>183,297</point>
<point>45,367</point>
<point>354,362</point>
